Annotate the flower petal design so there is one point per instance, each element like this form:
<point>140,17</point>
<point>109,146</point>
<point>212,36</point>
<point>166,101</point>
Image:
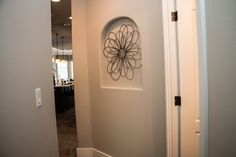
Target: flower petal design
<point>122,52</point>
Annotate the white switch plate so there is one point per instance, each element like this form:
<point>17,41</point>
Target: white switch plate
<point>38,97</point>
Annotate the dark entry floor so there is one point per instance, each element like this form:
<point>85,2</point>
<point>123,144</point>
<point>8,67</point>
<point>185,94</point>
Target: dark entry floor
<point>67,133</point>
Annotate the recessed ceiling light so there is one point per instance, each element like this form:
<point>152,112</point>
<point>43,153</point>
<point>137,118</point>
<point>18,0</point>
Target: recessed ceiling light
<point>56,0</point>
<point>70,17</point>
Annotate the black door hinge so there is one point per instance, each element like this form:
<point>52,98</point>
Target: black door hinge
<point>177,100</point>
<point>174,16</point>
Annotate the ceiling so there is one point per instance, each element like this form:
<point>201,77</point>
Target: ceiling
<point>61,24</point>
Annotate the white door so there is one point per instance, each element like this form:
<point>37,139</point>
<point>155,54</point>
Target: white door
<point>182,78</point>
<point>188,78</point>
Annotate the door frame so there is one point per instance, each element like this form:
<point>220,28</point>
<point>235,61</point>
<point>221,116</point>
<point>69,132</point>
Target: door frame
<point>170,46</point>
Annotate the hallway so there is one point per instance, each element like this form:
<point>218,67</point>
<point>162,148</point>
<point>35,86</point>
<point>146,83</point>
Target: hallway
<point>123,119</point>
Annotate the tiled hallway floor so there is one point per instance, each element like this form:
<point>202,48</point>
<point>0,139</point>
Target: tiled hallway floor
<point>67,134</point>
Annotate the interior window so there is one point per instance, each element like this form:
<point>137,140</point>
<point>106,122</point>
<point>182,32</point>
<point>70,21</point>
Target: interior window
<point>62,71</point>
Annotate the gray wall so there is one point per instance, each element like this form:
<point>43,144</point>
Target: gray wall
<point>25,64</point>
<point>124,123</point>
<point>81,83</point>
<point>221,42</point>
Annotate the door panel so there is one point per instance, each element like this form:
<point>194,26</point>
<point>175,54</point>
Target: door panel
<point>189,81</point>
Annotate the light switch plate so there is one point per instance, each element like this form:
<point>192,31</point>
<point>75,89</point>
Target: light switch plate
<point>38,97</point>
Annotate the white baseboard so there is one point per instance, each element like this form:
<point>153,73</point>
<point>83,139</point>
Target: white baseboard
<point>84,152</point>
<point>90,152</point>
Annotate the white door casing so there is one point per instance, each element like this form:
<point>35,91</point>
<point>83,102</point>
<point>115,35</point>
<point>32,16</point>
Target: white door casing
<point>185,73</point>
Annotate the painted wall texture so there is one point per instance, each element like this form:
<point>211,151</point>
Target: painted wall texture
<point>221,42</point>
<point>221,39</point>
<point>81,83</point>
<point>25,64</point>
<point>123,126</point>
<point>124,123</point>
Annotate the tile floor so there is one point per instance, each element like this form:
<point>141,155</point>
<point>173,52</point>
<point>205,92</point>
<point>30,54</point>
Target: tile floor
<point>67,134</point>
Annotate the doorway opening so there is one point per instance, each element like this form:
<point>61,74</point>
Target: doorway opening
<point>63,77</point>
<point>186,78</point>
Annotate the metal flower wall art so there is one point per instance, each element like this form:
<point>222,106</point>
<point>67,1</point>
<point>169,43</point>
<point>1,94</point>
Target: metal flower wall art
<point>123,53</point>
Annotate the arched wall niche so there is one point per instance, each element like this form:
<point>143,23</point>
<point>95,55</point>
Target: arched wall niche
<point>121,55</point>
